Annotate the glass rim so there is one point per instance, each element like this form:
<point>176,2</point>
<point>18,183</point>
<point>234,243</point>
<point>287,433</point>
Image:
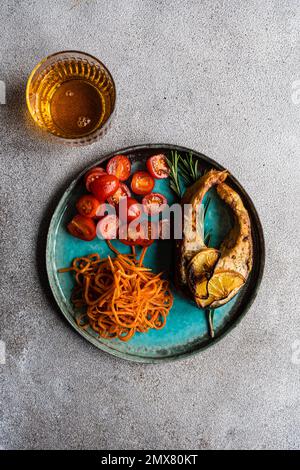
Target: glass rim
<point>70,51</point>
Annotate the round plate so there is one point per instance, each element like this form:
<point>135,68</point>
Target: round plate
<point>186,331</point>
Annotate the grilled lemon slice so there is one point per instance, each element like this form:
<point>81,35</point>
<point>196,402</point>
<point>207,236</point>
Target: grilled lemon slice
<point>221,287</point>
<point>200,269</point>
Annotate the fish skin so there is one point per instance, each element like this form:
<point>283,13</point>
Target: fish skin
<point>236,251</point>
<point>188,247</point>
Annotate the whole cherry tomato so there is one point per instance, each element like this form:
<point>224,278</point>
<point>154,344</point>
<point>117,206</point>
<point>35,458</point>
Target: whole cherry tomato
<point>92,175</point>
<point>104,186</point>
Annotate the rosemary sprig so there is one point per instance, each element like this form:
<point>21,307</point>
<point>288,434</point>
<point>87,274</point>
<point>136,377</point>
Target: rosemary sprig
<point>173,162</point>
<point>189,169</point>
<point>183,167</point>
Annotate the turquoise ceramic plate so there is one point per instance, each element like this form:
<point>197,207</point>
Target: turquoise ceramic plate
<point>186,331</point>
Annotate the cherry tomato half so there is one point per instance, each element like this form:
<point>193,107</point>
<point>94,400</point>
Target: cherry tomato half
<point>154,203</point>
<point>87,205</point>
<point>82,227</point>
<point>158,167</point>
<point>92,175</point>
<point>122,191</point>
<point>134,235</point>
<point>142,183</point>
<point>119,166</point>
<point>150,233</point>
<point>129,209</point>
<point>104,186</point>
<point>142,234</point>
<point>103,210</point>
<point>107,227</point>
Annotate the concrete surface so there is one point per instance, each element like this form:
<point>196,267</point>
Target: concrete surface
<point>211,75</point>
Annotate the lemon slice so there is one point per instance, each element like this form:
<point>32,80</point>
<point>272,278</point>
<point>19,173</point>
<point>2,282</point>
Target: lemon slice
<point>221,287</point>
<point>199,270</point>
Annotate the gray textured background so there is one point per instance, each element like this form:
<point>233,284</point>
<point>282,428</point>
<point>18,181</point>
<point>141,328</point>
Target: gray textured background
<point>211,75</point>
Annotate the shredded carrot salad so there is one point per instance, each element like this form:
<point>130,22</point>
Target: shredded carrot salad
<point>119,295</point>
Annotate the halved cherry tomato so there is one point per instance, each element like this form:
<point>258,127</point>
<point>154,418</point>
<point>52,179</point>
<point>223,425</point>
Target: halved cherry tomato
<point>142,234</point>
<point>103,210</point>
<point>134,235</point>
<point>129,209</point>
<point>107,227</point>
<point>154,203</point>
<point>122,191</point>
<point>151,233</point>
<point>104,186</point>
<point>142,183</point>
<point>158,167</point>
<point>119,166</point>
<point>92,175</point>
<point>87,205</point>
<point>82,227</point>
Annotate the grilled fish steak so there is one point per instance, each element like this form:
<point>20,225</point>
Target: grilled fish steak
<point>235,262</point>
<point>190,272</point>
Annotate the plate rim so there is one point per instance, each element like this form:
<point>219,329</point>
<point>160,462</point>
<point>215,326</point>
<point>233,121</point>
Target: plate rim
<point>194,350</point>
